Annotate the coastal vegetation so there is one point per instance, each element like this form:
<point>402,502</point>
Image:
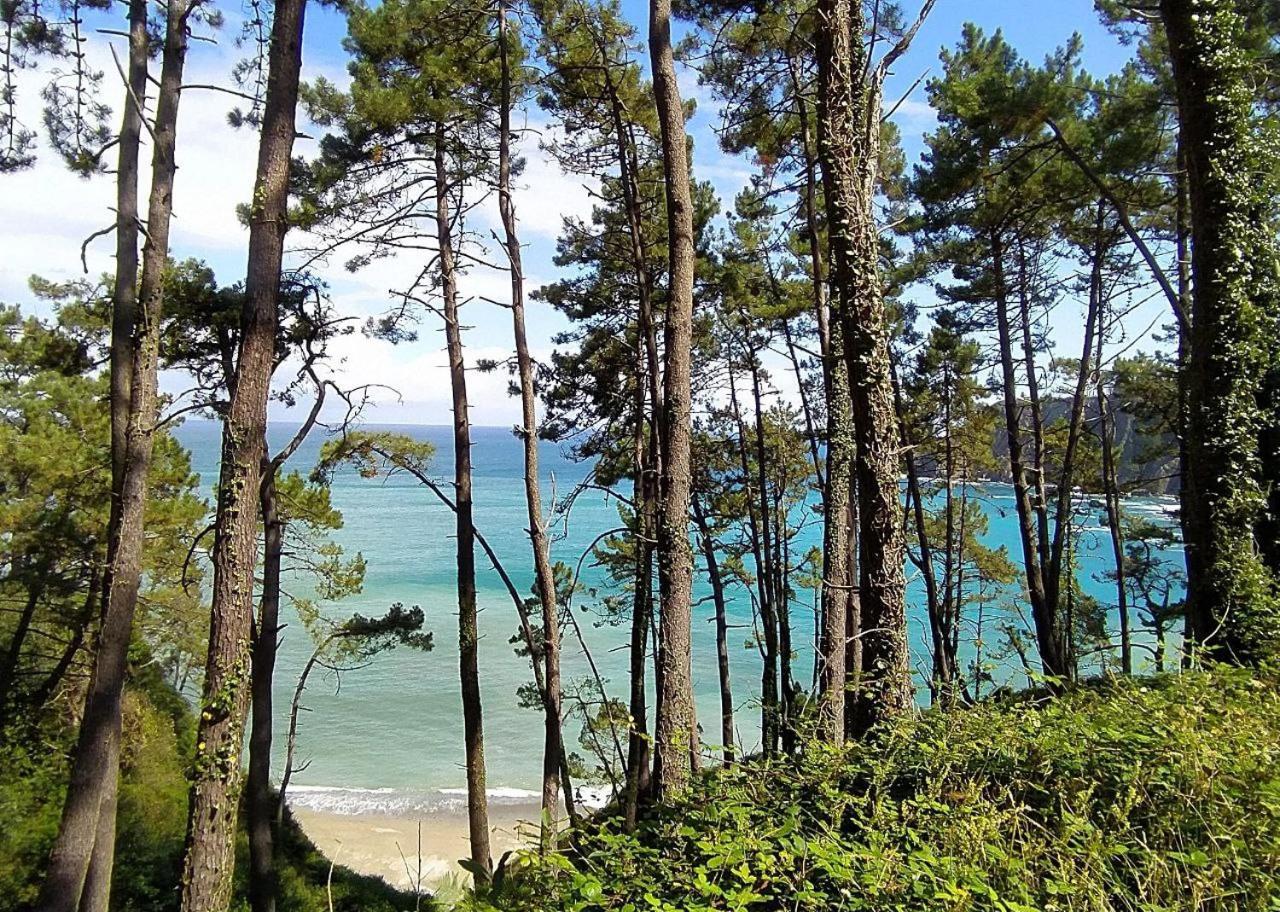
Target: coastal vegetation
<point>808,405</point>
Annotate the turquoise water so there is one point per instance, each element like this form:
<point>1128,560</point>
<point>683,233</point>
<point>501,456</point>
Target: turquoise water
<point>390,737</point>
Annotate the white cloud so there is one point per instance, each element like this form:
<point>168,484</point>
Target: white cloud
<point>47,212</point>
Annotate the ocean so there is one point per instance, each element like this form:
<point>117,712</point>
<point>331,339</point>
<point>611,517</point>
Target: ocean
<point>387,737</point>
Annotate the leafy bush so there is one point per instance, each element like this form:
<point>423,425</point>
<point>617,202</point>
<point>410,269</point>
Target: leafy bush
<point>1143,794</point>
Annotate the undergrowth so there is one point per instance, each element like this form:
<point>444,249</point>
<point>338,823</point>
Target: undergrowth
<point>1140,794</point>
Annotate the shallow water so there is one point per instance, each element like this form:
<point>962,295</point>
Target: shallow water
<point>389,739</point>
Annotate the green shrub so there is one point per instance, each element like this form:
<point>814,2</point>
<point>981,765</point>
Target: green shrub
<point>1138,794</point>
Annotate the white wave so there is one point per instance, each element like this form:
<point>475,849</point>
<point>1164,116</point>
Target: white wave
<point>500,793</point>
<point>335,799</point>
<point>393,802</point>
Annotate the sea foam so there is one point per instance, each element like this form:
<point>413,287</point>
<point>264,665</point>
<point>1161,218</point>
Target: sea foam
<point>348,800</point>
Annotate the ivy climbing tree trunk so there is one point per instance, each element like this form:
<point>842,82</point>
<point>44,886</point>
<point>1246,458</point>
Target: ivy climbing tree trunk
<point>83,836</point>
<point>217,774</point>
<point>1231,600</point>
<point>850,89</point>
<point>837,581</point>
<point>675,750</point>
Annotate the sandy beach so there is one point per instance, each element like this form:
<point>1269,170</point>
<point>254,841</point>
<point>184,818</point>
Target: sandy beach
<point>387,846</point>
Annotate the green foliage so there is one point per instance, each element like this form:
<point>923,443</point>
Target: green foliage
<point>1156,794</point>
<point>55,470</point>
<point>159,728</point>
<point>374,453</point>
<point>152,803</point>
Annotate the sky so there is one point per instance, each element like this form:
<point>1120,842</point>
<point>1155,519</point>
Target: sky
<point>46,213</point>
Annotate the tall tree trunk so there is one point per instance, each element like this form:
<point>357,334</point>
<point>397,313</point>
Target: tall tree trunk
<point>543,575</point>
<point>647,466</point>
<point>722,630</point>
<point>838,640</point>
<point>1230,589</point>
<point>96,768</point>
<point>262,813</point>
<point>124,317</point>
<point>468,631</point>
<point>838,580</point>
<point>217,778</point>
<point>675,738</point>
<point>850,135</point>
<point>124,297</point>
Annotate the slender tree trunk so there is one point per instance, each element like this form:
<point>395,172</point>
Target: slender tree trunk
<point>722,630</point>
<point>217,777</point>
<point>953,553</point>
<point>637,781</point>
<point>1064,507</point>
<point>647,462</point>
<point>675,749</point>
<point>1186,499</point>
<point>124,298</point>
<point>96,768</point>
<point>1111,494</point>
<point>468,632</point>
<point>782,608</point>
<point>124,318</point>
<point>262,813</point>
<point>769,710</point>
<point>291,738</point>
<point>942,679</point>
<point>544,577</point>
<point>1231,603</point>
<point>838,580</point>
<point>1037,477</point>
<point>777,662</point>
<point>1044,614</point>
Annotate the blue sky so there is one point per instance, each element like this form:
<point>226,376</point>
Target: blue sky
<point>45,214</point>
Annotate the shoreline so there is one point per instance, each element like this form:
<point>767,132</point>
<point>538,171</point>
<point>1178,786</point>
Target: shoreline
<point>415,849</point>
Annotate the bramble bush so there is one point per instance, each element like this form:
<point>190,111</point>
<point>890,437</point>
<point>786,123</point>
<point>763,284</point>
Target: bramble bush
<point>1138,794</point>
